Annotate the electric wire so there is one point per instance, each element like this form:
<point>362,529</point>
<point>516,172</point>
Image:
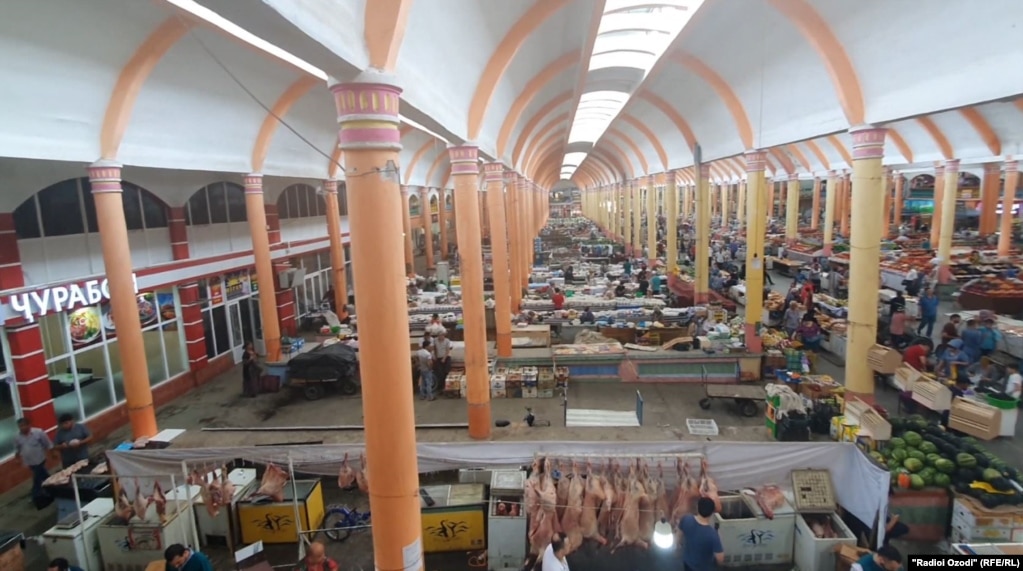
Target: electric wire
<point>253,96</point>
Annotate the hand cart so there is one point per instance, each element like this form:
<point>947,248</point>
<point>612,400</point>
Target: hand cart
<point>746,397</point>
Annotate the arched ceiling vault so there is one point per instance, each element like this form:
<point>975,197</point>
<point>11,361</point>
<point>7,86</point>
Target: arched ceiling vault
<point>727,83</point>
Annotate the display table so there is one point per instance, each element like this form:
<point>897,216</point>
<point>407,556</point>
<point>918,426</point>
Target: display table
<point>534,336</point>
<point>784,266</point>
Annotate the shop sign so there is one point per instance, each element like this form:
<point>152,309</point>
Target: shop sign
<point>216,291</point>
<point>237,285</point>
<point>62,298</point>
<point>253,284</point>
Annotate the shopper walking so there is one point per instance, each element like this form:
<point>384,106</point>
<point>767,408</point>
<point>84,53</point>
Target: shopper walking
<point>928,304</point>
<point>441,360</point>
<point>31,445</point>
<point>251,371</point>
<point>424,359</point>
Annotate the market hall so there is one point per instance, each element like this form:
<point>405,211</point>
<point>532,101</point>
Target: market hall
<point>322,180</point>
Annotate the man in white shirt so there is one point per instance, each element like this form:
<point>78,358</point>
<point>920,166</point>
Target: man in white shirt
<point>441,360</point>
<point>554,556</point>
<point>1014,384</point>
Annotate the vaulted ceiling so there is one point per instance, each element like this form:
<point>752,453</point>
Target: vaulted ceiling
<point>151,85</point>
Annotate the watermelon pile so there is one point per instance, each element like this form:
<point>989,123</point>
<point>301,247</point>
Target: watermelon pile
<point>922,454</point>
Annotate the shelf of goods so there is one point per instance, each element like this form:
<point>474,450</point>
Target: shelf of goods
<point>507,522</point>
<point>748,537</point>
<point>133,545</point>
<point>76,538</point>
<point>456,520</point>
<point>998,294</point>
<point>816,510</point>
<point>274,522</point>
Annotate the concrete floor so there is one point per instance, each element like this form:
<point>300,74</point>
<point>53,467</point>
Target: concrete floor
<point>220,405</point>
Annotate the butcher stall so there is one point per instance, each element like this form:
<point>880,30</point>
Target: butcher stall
<point>592,482</point>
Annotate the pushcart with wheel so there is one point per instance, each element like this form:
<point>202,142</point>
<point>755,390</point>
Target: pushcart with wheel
<point>332,366</point>
<point>746,397</point>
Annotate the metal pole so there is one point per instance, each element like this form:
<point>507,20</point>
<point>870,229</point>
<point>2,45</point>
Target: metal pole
<point>294,501</point>
<point>78,499</point>
<point>188,496</point>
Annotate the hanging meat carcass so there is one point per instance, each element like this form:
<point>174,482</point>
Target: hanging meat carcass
<point>604,519</point>
<point>661,508</point>
<point>216,494</point>
<point>574,504</point>
<point>346,475</point>
<point>647,517</point>
<point>362,476</point>
<point>708,487</point>
<point>629,531</point>
<point>159,501</point>
<point>227,487</point>
<point>123,508</point>
<point>686,493</point>
<point>544,524</point>
<point>592,500</point>
<point>621,496</point>
<point>563,483</point>
<point>141,502</point>
<point>532,490</point>
<point>272,484</point>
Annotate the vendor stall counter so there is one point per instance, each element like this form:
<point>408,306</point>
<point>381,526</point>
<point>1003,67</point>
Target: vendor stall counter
<point>224,528</point>
<point>133,545</point>
<point>506,532</point>
<point>749,537</point>
<point>531,336</point>
<point>816,507</point>
<point>454,518</point>
<point>76,538</point>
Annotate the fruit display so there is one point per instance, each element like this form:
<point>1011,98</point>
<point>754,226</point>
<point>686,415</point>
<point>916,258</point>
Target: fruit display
<point>966,272</point>
<point>922,454</point>
<point>994,286</point>
<point>834,325</point>
<point>775,302</point>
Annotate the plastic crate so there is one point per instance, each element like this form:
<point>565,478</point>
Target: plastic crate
<point>702,427</point>
<point>813,491</point>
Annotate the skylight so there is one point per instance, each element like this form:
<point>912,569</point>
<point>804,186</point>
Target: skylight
<point>632,34</point>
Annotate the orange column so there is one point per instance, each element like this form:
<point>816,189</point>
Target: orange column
<point>406,232</point>
<point>494,176</point>
<point>939,199</point>
<point>255,211</point>
<point>897,206</point>
<point>368,117</point>
<point>815,214</point>
<point>442,218</point>
<point>1008,201</point>
<point>511,202</point>
<point>105,178</point>
<point>989,199</point>
<point>770,199</point>
<point>846,196</point>
<point>337,248</point>
<point>524,244</point>
<point>886,226</point>
<point>465,173</point>
<point>426,212</point>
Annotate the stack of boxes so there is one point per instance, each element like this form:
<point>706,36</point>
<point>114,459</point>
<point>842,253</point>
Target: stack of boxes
<point>514,382</point>
<point>973,523</point>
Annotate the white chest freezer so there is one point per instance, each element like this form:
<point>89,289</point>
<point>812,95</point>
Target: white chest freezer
<point>507,520</point>
<point>74,538</point>
<point>218,529</point>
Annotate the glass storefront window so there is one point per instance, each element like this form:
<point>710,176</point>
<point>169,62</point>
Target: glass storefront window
<point>94,379</point>
<point>9,406</point>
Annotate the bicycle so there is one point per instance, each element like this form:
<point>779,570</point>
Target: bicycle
<point>341,522</point>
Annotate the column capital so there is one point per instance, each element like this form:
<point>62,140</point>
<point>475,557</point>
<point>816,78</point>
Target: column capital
<point>423,190</point>
<point>493,172</point>
<point>794,176</point>
<point>105,176</point>
<point>756,161</point>
<point>868,142</point>
<point>367,112</point>
<point>405,190</point>
<point>992,169</point>
<point>330,186</point>
<point>1011,166</point>
<point>253,183</point>
<point>705,170</point>
<point>661,179</point>
<point>464,159</point>
<point>952,166</point>
<point>939,168</point>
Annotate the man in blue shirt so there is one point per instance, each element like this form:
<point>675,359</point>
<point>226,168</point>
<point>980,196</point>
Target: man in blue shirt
<point>181,558</point>
<point>928,313</point>
<point>885,559</point>
<point>702,550</point>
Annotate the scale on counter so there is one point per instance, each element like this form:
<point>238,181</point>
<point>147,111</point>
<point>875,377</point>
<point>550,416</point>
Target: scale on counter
<point>72,520</point>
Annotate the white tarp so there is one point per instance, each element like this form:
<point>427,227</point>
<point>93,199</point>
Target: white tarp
<point>860,486</point>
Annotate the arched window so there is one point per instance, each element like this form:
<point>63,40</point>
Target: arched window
<point>67,208</point>
<point>449,202</point>
<point>300,201</point>
<point>217,203</point>
<point>413,205</point>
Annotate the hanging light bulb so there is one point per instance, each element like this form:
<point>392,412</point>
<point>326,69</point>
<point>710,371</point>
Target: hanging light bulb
<point>663,537</point>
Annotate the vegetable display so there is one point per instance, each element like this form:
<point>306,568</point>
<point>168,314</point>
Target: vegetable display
<point>924,454</point>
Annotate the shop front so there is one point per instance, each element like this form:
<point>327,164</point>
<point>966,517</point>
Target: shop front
<point>230,314</point>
